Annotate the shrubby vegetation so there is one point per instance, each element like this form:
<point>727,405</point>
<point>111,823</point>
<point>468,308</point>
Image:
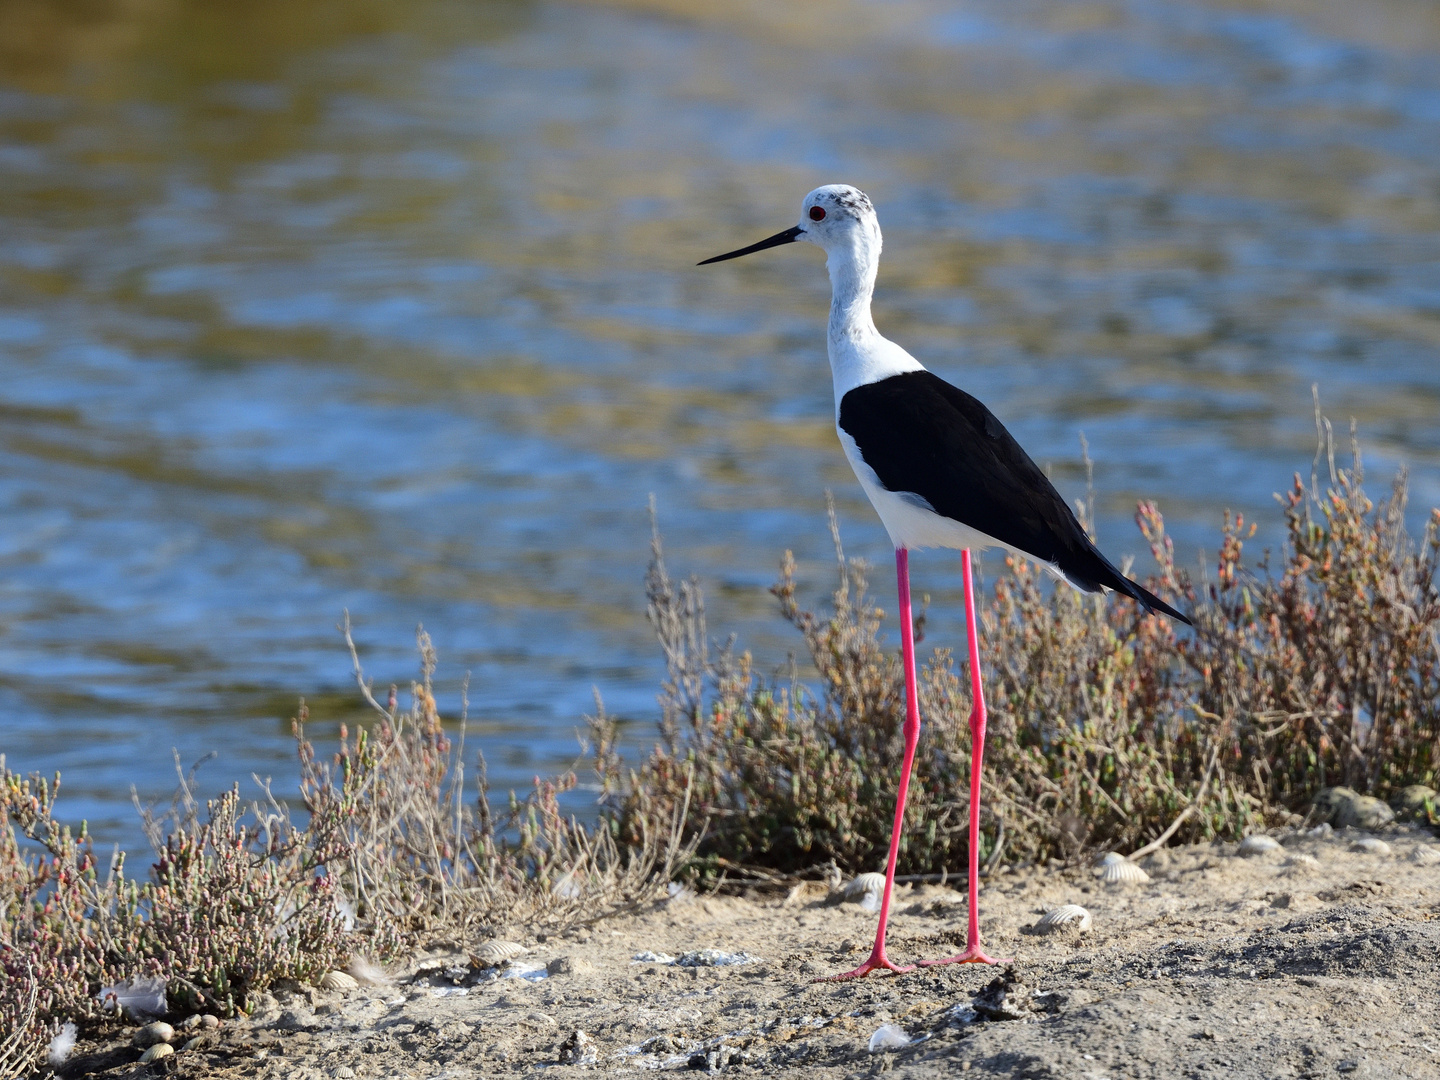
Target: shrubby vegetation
<point>1108,729</point>
<point>1107,726</point>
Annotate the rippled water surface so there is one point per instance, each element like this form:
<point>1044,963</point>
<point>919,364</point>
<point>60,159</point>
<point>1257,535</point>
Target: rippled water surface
<point>325,304</point>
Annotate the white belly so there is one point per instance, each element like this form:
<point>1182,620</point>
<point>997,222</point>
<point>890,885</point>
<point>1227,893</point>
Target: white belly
<point>908,519</point>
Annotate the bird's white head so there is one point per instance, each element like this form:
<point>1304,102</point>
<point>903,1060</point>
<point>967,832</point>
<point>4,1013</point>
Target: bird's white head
<point>841,220</point>
<point>838,218</point>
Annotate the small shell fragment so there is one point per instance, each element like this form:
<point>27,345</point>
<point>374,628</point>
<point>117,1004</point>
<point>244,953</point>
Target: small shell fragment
<point>1115,869</point>
<point>1299,860</point>
<point>495,953</point>
<point>864,883</point>
<point>338,980</point>
<point>1370,845</point>
<point>156,1052</point>
<point>1425,854</point>
<point>1259,844</point>
<point>1064,916</point>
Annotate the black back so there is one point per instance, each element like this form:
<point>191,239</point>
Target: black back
<point>922,435</point>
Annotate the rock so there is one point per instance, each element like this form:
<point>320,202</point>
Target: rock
<point>1370,845</point>
<point>152,1035</point>
<point>294,1020</point>
<point>1259,844</point>
<point>1410,803</point>
<point>578,1049</point>
<point>1329,802</point>
<point>568,965</point>
<point>156,1052</point>
<point>714,958</point>
<point>1004,998</point>
<point>1365,812</point>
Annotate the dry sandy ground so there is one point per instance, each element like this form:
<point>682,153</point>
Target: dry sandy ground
<point>1315,960</point>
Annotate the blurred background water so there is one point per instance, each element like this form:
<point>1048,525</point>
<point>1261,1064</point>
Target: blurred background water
<point>308,305</point>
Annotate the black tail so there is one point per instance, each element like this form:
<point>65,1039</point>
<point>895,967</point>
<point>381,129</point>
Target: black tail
<point>1103,575</point>
<point>1148,600</point>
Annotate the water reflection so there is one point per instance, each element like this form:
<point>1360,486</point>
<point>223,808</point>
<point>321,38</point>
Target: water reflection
<point>317,305</point>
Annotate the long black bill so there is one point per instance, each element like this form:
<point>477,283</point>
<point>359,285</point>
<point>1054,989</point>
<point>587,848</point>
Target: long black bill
<point>786,237</point>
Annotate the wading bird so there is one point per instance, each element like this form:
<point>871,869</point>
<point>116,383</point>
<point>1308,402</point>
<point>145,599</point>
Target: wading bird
<point>941,471</point>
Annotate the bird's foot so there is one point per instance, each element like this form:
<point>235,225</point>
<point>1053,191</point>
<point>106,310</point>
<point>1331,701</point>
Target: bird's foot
<point>973,954</point>
<point>878,962</point>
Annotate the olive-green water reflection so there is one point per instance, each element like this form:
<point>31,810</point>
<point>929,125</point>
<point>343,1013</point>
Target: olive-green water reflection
<point>391,306</point>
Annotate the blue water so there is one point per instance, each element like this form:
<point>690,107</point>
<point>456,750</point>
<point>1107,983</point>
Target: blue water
<point>336,304</point>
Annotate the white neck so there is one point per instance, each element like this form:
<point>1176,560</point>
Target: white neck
<point>858,353</point>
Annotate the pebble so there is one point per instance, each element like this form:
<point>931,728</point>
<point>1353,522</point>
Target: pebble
<point>152,1035</point>
<point>1259,844</point>
<point>578,1049</point>
<point>715,958</point>
<point>156,1052</point>
<point>1370,845</point>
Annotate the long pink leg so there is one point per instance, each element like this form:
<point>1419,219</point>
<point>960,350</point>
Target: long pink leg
<point>878,960</point>
<point>973,954</point>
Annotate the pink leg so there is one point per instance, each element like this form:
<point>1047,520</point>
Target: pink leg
<point>973,953</point>
<point>878,960</point>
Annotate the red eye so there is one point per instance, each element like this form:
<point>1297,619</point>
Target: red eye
<point>817,213</point>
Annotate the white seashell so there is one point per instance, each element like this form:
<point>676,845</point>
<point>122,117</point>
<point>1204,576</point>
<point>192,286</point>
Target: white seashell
<point>153,1034</point>
<point>865,883</point>
<point>1115,869</point>
<point>1301,860</point>
<point>156,1052</point>
<point>1066,915</point>
<point>495,953</point>
<point>1425,854</point>
<point>1370,845</point>
<point>338,980</point>
<point>1259,844</point>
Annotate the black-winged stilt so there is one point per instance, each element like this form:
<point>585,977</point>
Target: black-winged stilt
<point>941,471</point>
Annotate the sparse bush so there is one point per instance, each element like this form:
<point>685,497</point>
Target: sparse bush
<point>241,897</point>
<point>1107,727</point>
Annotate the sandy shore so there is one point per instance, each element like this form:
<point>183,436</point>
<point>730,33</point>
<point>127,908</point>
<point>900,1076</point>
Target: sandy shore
<point>1314,960</point>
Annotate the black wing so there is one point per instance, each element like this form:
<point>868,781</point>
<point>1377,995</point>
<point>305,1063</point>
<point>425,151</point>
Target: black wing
<point>922,435</point>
